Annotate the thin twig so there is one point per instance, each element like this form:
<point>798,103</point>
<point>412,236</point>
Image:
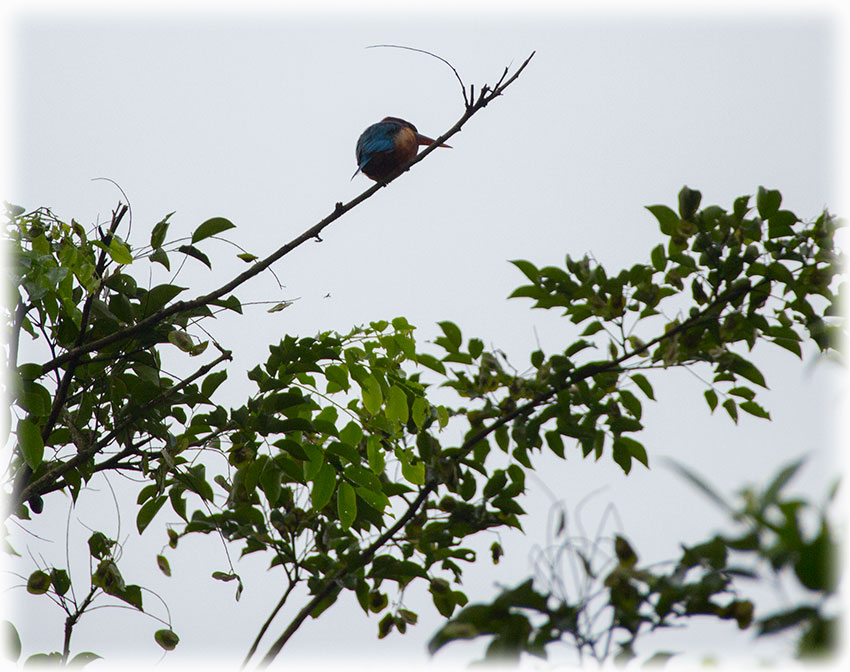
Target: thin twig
<point>466,101</point>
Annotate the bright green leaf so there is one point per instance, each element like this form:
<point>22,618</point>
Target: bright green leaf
<point>371,392</point>
<point>375,454</point>
<point>346,504</point>
<point>397,405</point>
<point>119,252</point>
<point>30,443</point>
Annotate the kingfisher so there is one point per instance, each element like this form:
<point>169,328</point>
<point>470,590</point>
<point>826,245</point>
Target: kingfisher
<point>386,147</point>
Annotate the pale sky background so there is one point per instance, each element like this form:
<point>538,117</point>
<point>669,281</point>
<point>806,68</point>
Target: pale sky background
<point>254,116</point>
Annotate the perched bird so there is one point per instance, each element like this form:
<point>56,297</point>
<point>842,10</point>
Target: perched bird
<point>388,146</point>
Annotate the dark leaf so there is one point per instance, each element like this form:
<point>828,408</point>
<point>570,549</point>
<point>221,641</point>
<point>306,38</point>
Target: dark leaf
<point>167,639</point>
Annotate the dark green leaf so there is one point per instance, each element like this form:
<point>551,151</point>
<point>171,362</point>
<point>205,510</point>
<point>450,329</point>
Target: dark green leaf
<point>38,583</point>
<point>162,563</point>
<point>689,200</point>
<point>659,258</point>
<point>529,269</point>
<point>194,252</point>
<point>60,580</point>
<point>753,408</point>
<point>621,455</point>
<point>211,227</point>
<point>323,486</point>
<point>732,409</point>
<point>641,381</point>
<point>667,219</point>
<point>167,639</point>
<point>148,511</point>
<point>767,202</point>
<point>159,232</point>
<point>161,257</point>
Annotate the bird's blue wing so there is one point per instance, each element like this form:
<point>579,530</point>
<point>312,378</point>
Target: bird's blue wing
<point>374,140</point>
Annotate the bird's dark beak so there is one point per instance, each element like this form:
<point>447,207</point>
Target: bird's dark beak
<point>425,140</point>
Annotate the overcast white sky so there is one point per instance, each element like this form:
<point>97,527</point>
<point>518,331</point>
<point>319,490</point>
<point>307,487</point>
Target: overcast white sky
<point>254,117</point>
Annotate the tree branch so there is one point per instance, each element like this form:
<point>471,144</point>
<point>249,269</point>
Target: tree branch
<point>45,483</point>
<point>339,210</point>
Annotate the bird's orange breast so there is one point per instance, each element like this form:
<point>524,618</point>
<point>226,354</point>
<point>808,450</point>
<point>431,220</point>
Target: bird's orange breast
<point>406,145</point>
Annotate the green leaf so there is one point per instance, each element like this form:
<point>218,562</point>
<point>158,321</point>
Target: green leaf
<point>748,370</point>
<point>732,409</point>
<point>555,443</point>
<point>529,269</point>
<point>631,403</point>
<point>431,362</point>
<point>195,253</point>
<point>181,339</point>
<point>161,257</point>
<point>211,227</point>
<point>780,224</point>
<point>99,545</point>
<point>636,449</point>
<point>667,219</point>
<point>767,202</point>
<point>224,576</point>
<point>159,232</point>
<point>167,639</point>
<point>397,405</point>
<point>621,455</point>
<point>162,563</point>
<point>212,381</point>
<point>30,443</point>
<point>418,411</point>
<point>131,594</point>
<point>337,374</point>
<point>659,258</point>
<point>119,252</point>
<point>323,486</point>
<point>38,583</point>
<point>60,580</point>
<point>159,296</point>
<point>371,393</point>
<point>148,511</point>
<point>453,335</point>
<point>377,500</point>
<point>413,473</point>
<point>689,200</point>
<point>753,408</point>
<point>711,398</point>
<point>352,434</point>
<point>641,381</point>
<point>346,504</point>
<point>247,257</point>
<point>375,454</point>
